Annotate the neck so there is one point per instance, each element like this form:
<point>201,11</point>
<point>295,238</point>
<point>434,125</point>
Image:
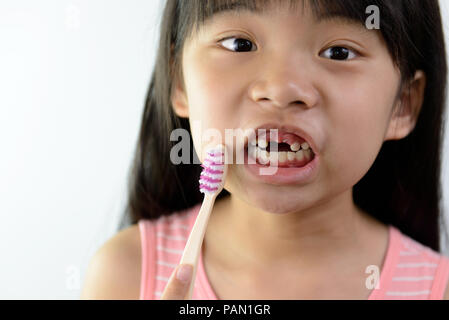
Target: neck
<point>241,235</point>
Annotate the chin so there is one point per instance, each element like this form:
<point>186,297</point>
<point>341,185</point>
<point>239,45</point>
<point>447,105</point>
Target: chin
<point>279,210</point>
<point>270,205</point>
<point>269,199</point>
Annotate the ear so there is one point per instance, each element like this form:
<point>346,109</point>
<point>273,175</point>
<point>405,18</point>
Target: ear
<point>179,99</point>
<point>404,119</point>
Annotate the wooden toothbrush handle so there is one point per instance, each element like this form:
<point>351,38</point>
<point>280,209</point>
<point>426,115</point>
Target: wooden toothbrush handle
<point>193,246</point>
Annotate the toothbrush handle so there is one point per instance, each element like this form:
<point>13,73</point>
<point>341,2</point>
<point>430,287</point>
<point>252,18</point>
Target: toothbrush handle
<point>193,246</point>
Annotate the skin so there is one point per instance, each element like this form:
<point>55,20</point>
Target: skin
<point>302,231</point>
<point>177,288</point>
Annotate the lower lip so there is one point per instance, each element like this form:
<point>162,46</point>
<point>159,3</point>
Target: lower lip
<point>291,175</point>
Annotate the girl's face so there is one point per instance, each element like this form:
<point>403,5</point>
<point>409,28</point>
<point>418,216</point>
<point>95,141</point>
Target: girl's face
<point>334,79</point>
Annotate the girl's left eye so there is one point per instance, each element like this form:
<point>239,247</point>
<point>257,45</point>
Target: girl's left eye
<point>339,53</point>
<point>236,43</point>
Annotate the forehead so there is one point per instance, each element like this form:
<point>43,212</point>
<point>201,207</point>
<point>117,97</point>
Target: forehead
<point>319,11</point>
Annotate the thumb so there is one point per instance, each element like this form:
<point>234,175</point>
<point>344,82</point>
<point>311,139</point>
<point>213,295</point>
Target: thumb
<point>178,285</point>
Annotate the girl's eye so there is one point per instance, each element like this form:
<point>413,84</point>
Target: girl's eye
<point>244,45</point>
<point>339,53</point>
<point>235,43</point>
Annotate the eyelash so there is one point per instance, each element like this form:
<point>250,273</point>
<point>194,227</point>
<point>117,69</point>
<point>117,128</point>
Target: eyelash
<point>357,54</point>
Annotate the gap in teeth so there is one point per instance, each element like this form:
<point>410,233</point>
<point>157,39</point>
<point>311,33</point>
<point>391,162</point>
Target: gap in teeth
<point>266,157</point>
<point>263,144</point>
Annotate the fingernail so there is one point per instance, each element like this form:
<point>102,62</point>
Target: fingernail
<point>184,272</point>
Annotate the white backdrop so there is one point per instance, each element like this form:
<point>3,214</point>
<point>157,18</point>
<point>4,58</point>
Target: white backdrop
<point>73,78</point>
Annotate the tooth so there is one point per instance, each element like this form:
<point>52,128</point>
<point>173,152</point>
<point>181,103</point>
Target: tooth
<point>259,155</point>
<point>253,152</point>
<point>282,157</point>
<point>295,147</point>
<point>308,154</point>
<point>263,156</point>
<point>253,142</point>
<point>305,146</point>
<point>274,158</point>
<point>300,155</point>
<point>263,142</point>
<point>291,156</point>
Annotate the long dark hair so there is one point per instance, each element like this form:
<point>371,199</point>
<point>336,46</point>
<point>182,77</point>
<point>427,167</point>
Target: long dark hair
<point>403,186</point>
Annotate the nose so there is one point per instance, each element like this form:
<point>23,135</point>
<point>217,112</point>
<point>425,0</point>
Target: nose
<point>282,85</point>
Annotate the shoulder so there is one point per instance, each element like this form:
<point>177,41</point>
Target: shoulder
<point>446,293</point>
<point>114,271</point>
<point>445,265</point>
<point>428,254</point>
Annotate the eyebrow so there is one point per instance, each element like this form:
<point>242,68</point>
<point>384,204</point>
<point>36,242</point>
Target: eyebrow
<point>237,8</point>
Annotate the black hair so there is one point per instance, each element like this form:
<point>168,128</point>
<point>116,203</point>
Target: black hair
<point>403,186</point>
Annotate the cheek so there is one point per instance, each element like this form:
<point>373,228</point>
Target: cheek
<point>359,127</point>
<point>213,86</point>
<point>211,108</point>
<point>208,122</point>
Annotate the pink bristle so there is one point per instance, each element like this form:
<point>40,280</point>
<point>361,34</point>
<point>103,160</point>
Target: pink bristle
<point>209,179</point>
<point>215,158</point>
<point>208,188</point>
<point>213,170</point>
<point>213,163</point>
<point>208,170</point>
<point>215,153</point>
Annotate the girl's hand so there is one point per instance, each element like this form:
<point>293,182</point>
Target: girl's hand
<point>178,285</point>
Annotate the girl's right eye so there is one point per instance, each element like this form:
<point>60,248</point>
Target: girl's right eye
<point>235,43</point>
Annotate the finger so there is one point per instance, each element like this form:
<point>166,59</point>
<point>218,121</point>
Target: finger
<point>178,285</point>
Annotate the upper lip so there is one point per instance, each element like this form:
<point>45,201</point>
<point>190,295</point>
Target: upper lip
<point>285,128</point>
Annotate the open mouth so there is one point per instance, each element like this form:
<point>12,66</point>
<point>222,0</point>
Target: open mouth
<point>286,150</point>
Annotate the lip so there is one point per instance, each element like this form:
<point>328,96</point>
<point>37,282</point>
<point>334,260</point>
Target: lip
<point>285,176</point>
<point>285,128</point>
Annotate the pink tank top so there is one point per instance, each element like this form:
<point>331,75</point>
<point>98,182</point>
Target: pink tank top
<point>410,271</point>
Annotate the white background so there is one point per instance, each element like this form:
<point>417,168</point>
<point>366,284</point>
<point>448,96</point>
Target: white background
<point>73,78</point>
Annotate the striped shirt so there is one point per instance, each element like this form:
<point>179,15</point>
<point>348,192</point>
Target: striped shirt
<point>410,271</point>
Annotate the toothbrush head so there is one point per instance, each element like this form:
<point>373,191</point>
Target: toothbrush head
<point>214,171</point>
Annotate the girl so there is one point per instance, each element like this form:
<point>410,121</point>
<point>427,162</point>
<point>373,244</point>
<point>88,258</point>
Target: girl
<point>366,222</point>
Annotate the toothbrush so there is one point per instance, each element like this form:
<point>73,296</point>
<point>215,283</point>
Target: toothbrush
<point>211,184</point>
